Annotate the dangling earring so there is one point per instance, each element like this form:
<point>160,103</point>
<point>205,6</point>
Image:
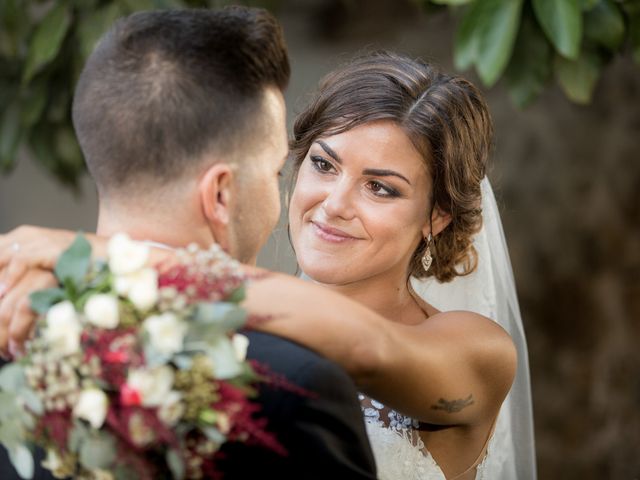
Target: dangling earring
<point>427,258</point>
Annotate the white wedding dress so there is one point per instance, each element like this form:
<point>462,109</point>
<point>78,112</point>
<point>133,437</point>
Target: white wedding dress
<point>509,454</point>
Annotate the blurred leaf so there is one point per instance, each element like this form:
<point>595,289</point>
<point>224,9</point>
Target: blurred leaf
<point>74,262</point>
<point>465,48</point>
<point>94,24</point>
<point>67,148</point>
<point>13,27</point>
<point>605,24</point>
<point>530,65</point>
<point>486,36</point>
<point>47,40</point>
<point>10,134</point>
<point>497,29</point>
<point>33,102</point>
<point>578,78</point>
<point>561,21</point>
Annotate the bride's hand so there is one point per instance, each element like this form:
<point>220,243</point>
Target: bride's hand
<point>27,258</point>
<point>26,248</point>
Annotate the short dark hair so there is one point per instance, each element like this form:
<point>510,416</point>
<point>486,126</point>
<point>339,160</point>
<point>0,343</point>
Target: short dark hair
<point>444,116</point>
<point>164,87</point>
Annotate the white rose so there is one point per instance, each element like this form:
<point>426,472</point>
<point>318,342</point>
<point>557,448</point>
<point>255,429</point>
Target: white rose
<point>171,409</point>
<point>140,287</point>
<point>240,344</point>
<point>153,385</point>
<point>92,406</point>
<point>166,332</point>
<point>63,329</point>
<point>101,310</point>
<point>125,255</point>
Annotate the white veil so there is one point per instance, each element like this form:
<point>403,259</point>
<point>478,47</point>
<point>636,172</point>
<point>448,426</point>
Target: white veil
<point>490,291</point>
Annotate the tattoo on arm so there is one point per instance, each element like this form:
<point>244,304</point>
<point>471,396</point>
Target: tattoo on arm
<point>453,406</point>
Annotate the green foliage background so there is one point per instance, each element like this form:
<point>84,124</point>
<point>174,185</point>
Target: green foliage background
<point>529,43</point>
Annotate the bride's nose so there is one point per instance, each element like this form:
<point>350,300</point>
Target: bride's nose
<point>338,201</point>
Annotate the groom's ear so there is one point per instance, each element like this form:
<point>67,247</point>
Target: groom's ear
<point>216,194</point>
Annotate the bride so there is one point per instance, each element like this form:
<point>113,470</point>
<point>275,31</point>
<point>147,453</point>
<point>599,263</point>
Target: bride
<point>390,194</point>
<point>391,208</point>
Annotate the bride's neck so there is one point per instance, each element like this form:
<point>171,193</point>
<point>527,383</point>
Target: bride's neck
<point>388,297</point>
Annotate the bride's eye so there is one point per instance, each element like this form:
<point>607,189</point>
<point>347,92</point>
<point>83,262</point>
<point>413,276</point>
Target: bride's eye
<point>320,164</point>
<point>381,190</point>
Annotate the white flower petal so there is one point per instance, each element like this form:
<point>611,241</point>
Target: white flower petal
<point>101,310</point>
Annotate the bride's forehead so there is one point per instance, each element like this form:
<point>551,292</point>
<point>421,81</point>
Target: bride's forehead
<point>381,142</point>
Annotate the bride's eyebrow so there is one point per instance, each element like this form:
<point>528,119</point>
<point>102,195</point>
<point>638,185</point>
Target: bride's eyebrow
<point>329,151</point>
<point>375,172</point>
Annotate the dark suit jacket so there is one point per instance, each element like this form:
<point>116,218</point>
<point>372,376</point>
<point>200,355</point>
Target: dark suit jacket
<point>324,435</point>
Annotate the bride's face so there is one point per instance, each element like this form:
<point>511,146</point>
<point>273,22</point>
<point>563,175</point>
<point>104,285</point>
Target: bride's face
<point>360,205</point>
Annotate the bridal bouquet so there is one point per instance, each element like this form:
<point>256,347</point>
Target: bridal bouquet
<point>134,372</point>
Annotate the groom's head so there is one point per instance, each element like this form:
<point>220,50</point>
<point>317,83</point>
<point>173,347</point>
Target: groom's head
<point>182,112</point>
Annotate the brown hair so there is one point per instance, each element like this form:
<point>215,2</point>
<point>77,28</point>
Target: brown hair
<point>163,87</point>
<point>445,117</point>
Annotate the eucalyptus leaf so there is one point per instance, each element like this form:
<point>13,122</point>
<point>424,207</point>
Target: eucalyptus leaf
<point>225,316</point>
<point>12,378</point>
<point>578,78</point>
<point>530,67</point>
<point>176,464</point>
<point>32,401</point>
<point>22,460</point>
<point>605,24</point>
<point>561,20</point>
<point>8,405</point>
<point>98,451</point>
<point>43,300</point>
<point>74,263</point>
<point>47,39</point>
<point>79,433</point>
<point>238,295</point>
<point>12,432</point>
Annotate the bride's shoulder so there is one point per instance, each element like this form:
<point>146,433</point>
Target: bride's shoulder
<point>485,343</point>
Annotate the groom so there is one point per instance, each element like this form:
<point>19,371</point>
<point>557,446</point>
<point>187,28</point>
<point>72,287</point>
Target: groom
<point>181,119</point>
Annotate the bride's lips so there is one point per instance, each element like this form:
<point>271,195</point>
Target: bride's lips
<point>331,234</point>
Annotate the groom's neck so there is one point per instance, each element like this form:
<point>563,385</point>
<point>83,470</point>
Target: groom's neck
<point>173,227</point>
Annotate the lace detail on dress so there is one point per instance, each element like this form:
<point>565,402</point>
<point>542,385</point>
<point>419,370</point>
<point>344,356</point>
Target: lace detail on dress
<point>399,451</point>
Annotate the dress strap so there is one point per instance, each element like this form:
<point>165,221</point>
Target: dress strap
<point>483,451</point>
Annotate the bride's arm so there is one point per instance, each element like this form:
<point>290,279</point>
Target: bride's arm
<point>454,369</point>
